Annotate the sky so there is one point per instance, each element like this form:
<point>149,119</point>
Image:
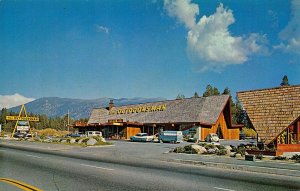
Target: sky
<point>93,49</point>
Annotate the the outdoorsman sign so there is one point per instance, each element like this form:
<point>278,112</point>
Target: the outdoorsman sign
<point>17,118</point>
<point>138,109</point>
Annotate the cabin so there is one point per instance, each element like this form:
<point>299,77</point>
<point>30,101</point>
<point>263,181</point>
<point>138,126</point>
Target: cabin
<point>205,114</point>
<point>275,115</point>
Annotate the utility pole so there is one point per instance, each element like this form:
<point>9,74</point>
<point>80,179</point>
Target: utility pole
<point>68,122</point>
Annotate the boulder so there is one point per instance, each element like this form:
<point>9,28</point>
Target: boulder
<point>228,149</point>
<point>80,141</point>
<point>238,155</point>
<point>103,140</point>
<point>199,149</point>
<point>63,141</point>
<point>72,140</point>
<point>91,142</point>
<point>211,151</point>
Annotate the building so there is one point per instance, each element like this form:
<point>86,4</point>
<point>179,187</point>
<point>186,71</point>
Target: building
<point>205,114</point>
<point>275,115</point>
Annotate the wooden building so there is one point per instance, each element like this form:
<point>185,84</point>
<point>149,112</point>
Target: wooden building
<point>275,115</point>
<point>206,114</point>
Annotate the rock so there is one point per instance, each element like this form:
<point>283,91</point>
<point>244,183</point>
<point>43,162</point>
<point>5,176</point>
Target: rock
<point>80,141</point>
<point>63,141</point>
<point>228,149</point>
<point>199,149</point>
<point>91,142</point>
<point>103,140</point>
<point>211,151</point>
<point>72,141</point>
<point>232,154</point>
<point>238,155</point>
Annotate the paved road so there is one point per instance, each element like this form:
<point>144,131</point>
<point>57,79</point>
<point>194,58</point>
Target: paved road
<point>51,172</point>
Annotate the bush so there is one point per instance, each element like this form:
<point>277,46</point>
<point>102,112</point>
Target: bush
<point>249,132</point>
<point>259,156</point>
<point>279,158</point>
<point>296,158</point>
<point>210,146</point>
<point>220,147</point>
<point>241,150</point>
<point>221,152</point>
<point>189,149</point>
<point>179,150</point>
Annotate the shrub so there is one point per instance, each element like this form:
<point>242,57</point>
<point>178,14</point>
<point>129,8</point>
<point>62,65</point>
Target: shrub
<point>189,149</point>
<point>210,146</point>
<point>259,156</point>
<point>179,150</point>
<point>241,150</point>
<point>249,132</point>
<point>296,158</point>
<point>279,158</point>
<point>221,152</point>
<point>220,147</point>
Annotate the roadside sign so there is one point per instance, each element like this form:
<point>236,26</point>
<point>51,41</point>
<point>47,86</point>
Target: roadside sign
<point>17,118</point>
<point>22,128</point>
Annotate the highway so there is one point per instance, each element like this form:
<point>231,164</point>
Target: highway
<point>52,172</point>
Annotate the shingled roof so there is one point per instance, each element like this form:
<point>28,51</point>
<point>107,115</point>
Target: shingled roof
<point>205,110</point>
<point>271,110</point>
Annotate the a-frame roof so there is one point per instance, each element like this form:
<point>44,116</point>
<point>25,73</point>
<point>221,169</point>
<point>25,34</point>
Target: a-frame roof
<point>205,110</point>
<point>271,110</point>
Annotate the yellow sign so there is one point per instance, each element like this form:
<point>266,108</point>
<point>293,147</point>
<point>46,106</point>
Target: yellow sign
<point>138,109</point>
<point>17,118</point>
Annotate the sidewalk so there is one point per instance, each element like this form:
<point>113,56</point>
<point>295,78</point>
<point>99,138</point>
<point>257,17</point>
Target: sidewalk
<point>117,154</point>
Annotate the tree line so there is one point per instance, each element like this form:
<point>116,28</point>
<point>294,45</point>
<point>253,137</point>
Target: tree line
<point>58,123</point>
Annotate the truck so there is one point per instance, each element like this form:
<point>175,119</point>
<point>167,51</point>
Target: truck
<point>171,136</point>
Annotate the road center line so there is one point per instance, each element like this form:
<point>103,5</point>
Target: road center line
<point>34,156</point>
<point>97,167</point>
<point>223,189</point>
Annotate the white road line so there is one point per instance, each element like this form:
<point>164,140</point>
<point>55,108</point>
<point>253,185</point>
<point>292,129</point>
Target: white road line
<point>223,189</point>
<point>34,156</point>
<point>97,167</point>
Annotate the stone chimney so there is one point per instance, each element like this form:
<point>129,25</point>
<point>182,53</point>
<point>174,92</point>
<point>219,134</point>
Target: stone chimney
<point>111,104</point>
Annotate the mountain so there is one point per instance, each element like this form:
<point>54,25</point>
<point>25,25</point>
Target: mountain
<point>79,108</point>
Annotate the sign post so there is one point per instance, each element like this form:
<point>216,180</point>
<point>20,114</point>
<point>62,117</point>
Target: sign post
<point>22,123</point>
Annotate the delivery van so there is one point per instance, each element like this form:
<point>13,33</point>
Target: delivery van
<point>171,136</point>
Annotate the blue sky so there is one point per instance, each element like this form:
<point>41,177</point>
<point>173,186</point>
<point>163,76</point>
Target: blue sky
<point>91,49</point>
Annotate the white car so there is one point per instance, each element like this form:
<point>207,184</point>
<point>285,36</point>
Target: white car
<point>141,137</point>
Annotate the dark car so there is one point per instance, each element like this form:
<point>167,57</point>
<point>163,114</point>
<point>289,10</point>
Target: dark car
<point>73,135</point>
<point>19,135</point>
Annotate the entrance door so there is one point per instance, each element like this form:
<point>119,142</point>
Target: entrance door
<point>219,132</point>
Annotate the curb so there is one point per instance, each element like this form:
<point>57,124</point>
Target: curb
<point>249,168</point>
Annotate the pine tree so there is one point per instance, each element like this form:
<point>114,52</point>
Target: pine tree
<point>195,95</point>
<point>285,81</point>
<point>180,96</point>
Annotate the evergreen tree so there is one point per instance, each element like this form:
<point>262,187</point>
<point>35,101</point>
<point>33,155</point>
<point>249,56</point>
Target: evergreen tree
<point>195,95</point>
<point>209,91</point>
<point>180,96</point>
<point>226,91</point>
<point>285,81</point>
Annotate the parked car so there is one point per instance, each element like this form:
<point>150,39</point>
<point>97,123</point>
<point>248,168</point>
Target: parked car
<point>171,136</point>
<point>74,135</point>
<point>212,137</point>
<point>141,137</point>
<point>19,135</point>
<point>93,133</point>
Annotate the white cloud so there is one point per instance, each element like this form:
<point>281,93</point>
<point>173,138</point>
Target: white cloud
<point>8,101</point>
<point>102,29</point>
<point>209,42</point>
<point>290,35</point>
<point>183,10</point>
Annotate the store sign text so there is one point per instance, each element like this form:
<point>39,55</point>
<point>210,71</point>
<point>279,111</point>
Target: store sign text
<point>138,109</point>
